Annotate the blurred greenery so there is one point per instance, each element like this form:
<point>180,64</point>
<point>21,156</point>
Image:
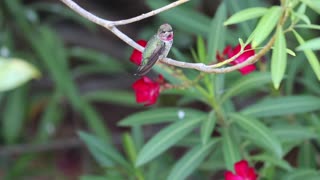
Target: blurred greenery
<point>57,95</point>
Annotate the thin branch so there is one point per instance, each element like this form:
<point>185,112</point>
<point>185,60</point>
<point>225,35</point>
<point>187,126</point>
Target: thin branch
<point>111,25</point>
<point>149,14</point>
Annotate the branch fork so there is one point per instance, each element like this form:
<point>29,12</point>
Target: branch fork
<point>112,26</point>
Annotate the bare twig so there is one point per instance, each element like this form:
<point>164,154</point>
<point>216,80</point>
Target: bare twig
<point>111,25</point>
<point>149,14</point>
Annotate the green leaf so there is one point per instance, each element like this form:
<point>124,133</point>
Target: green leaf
<point>301,10</point>
<point>112,96</point>
<point>166,138</point>
<point>298,174</point>
<point>293,133</point>
<point>313,4</point>
<point>129,147</point>
<point>14,72</point>
<point>50,117</point>
<point>92,56</point>
<point>245,15</point>
<point>275,161</point>
<point>216,33</point>
<point>303,17</point>
<point>14,115</point>
<point>289,51</point>
<point>283,106</point>
<point>313,44</point>
<point>230,148</point>
<point>102,151</point>
<point>160,115</point>
<point>252,81</point>
<point>259,131</point>
<point>308,26</point>
<point>167,72</point>
<point>208,127</point>
<point>190,161</point>
<point>279,58</point>
<point>183,17</point>
<point>265,26</point>
<point>306,156</point>
<point>201,49</point>
<point>92,177</point>
<point>64,11</point>
<point>312,58</point>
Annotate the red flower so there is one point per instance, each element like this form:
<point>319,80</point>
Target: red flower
<point>136,56</point>
<point>243,172</point>
<point>229,52</point>
<point>146,90</point>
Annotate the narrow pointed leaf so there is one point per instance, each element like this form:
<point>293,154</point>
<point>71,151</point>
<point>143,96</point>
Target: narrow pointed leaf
<point>290,133</point>
<point>308,26</point>
<point>272,160</point>
<point>251,81</point>
<point>111,96</point>
<point>312,58</point>
<point>190,161</point>
<point>166,138</point>
<point>201,49</point>
<point>15,72</point>
<point>279,59</point>
<point>303,17</point>
<point>102,151</point>
<point>259,131</point>
<point>283,106</point>
<point>230,148</point>
<point>298,174</point>
<point>265,26</point>
<point>306,156</point>
<point>216,34</point>
<point>160,115</point>
<point>313,4</point>
<point>190,21</point>
<point>245,15</point>
<point>313,44</point>
<point>129,147</point>
<point>14,115</point>
<point>207,127</point>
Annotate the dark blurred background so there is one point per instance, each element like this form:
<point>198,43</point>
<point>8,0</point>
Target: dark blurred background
<point>85,83</point>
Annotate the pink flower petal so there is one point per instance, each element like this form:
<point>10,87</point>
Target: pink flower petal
<point>136,56</point>
<point>241,168</point>
<point>230,176</point>
<point>146,91</point>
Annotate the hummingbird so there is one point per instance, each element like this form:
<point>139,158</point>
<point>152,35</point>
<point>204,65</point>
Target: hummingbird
<point>157,48</point>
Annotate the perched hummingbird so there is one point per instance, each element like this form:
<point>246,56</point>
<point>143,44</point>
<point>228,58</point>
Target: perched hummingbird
<point>157,48</point>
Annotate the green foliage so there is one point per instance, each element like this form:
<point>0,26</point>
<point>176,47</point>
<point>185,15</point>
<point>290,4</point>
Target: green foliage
<point>245,15</point>
<point>265,26</point>
<point>190,161</point>
<point>230,148</point>
<point>15,72</point>
<point>216,120</point>
<point>279,58</point>
<point>104,152</point>
<point>259,132</point>
<point>165,139</point>
<point>217,32</point>
<point>207,127</point>
<point>161,115</point>
<point>13,116</point>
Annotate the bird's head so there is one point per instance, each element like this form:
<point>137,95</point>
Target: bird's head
<point>165,32</point>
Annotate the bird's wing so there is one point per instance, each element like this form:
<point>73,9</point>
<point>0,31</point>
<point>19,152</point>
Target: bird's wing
<point>148,62</point>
